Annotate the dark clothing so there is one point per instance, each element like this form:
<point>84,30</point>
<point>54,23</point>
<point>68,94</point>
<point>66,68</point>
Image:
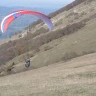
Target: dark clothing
<point>27,63</point>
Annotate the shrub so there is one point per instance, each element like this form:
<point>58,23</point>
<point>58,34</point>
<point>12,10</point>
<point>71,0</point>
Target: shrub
<point>68,56</point>
<point>8,69</point>
<point>20,36</point>
<point>47,48</point>
<point>88,52</point>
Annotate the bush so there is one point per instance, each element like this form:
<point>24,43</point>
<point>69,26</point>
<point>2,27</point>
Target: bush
<point>29,55</point>
<point>69,56</point>
<point>8,69</point>
<point>47,48</point>
<point>20,36</point>
<point>88,52</point>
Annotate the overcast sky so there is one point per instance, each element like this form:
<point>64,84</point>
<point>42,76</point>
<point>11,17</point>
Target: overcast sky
<point>35,3</point>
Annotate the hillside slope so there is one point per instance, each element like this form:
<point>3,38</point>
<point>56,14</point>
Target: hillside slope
<point>63,61</point>
<point>74,78</point>
<point>73,35</point>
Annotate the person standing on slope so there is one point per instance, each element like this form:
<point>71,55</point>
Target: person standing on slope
<point>27,63</point>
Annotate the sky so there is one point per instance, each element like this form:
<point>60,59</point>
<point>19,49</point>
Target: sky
<point>35,3</point>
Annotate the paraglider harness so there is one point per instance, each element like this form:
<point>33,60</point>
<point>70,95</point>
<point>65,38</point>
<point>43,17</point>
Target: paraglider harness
<point>27,63</point>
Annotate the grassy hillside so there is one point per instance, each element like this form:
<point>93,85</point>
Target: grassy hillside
<point>63,61</point>
<point>73,36</point>
<point>76,78</point>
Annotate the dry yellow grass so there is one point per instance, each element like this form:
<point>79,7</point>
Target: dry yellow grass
<point>74,78</point>
<point>81,42</point>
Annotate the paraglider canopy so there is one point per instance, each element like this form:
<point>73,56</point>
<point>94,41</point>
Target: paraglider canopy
<point>12,16</point>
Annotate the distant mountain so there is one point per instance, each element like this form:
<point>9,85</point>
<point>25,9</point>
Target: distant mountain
<point>21,22</point>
